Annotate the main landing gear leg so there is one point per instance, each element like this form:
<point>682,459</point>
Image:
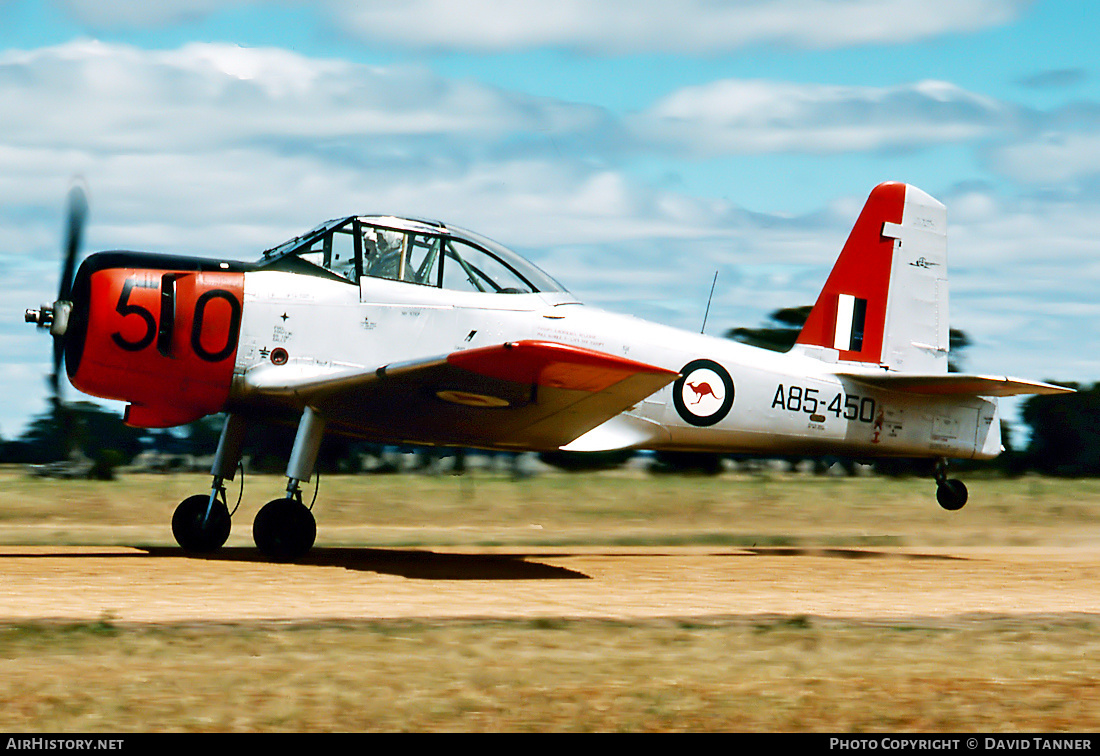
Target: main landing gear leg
<point>950,492</point>
<point>201,522</point>
<point>284,529</point>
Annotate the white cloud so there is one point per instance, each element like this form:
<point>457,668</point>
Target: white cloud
<point>217,135</point>
<point>112,14</point>
<point>694,27</point>
<point>691,27</point>
<point>1056,158</point>
<point>1024,276</point>
<point>751,117</point>
<point>201,96</point>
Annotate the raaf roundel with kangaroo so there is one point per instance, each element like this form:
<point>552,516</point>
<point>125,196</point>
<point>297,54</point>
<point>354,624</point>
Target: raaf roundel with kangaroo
<point>400,330</point>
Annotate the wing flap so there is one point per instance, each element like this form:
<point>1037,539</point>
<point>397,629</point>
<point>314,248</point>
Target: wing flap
<point>956,384</point>
<point>620,432</point>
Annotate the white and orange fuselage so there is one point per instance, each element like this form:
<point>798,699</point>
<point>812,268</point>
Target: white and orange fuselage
<point>393,359</point>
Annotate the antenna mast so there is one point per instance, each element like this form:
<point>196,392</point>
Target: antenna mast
<point>707,313</point>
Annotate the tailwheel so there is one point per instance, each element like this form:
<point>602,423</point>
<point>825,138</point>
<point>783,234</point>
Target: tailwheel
<point>201,526</point>
<point>284,529</point>
<point>951,493</point>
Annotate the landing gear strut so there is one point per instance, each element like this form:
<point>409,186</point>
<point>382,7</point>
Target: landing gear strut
<point>202,522</point>
<point>951,493</point>
<point>284,529</point>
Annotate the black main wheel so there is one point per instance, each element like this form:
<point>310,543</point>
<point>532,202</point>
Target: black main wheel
<point>284,529</point>
<point>951,494</point>
<point>199,532</point>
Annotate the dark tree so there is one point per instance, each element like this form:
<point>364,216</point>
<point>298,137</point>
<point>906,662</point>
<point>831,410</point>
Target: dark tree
<point>780,335</point>
<point>587,461</point>
<point>1065,432</point>
<point>81,428</point>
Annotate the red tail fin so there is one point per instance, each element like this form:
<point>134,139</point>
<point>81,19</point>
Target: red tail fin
<point>885,301</point>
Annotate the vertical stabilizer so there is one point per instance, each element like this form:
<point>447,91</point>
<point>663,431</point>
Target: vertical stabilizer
<point>885,301</point>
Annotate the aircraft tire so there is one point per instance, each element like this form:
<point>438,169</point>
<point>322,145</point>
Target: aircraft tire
<point>951,494</point>
<point>197,533</point>
<point>284,529</point>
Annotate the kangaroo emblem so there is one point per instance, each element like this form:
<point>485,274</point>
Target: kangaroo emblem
<point>701,390</point>
<point>701,380</point>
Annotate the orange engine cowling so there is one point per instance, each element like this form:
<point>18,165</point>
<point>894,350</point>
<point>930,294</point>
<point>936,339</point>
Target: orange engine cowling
<point>158,332</point>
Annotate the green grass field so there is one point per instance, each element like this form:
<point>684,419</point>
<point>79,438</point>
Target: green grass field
<point>796,673</point>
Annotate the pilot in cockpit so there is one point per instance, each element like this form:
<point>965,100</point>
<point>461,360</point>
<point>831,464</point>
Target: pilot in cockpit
<point>382,253</point>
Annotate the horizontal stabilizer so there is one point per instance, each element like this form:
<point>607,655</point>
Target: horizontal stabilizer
<point>956,384</point>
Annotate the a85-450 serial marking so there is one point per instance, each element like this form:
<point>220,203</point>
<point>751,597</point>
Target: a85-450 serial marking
<point>811,402</point>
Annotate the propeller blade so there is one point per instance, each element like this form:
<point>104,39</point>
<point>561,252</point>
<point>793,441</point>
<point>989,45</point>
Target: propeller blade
<point>55,374</point>
<point>74,230</point>
<point>78,211</point>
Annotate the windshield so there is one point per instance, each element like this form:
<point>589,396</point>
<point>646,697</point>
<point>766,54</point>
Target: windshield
<point>414,252</point>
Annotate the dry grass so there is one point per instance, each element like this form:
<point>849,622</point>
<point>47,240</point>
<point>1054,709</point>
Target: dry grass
<point>763,674</point>
<point>620,507</point>
<point>694,674</point>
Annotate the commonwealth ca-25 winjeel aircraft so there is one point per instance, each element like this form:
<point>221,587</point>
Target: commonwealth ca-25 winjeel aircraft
<point>410,331</point>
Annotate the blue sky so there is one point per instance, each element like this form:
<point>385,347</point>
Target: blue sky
<point>631,148</point>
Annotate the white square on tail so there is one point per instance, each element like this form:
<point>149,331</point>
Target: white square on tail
<point>845,311</point>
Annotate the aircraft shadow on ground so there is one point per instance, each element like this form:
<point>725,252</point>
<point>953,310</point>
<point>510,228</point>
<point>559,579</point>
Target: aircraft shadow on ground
<point>841,553</point>
<point>408,563</point>
<point>424,564</point>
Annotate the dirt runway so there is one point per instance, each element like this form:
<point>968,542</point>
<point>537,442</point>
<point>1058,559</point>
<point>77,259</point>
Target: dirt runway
<point>162,585</point>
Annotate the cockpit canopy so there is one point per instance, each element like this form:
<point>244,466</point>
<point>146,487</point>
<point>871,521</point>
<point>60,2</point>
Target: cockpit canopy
<point>412,251</point>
